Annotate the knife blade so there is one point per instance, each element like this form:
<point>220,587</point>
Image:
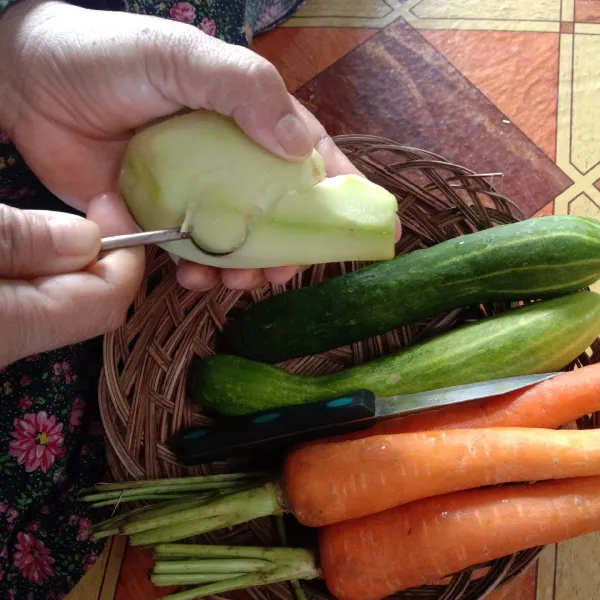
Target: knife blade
<point>284,427</point>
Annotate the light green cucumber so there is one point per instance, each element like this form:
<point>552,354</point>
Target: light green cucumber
<point>538,338</point>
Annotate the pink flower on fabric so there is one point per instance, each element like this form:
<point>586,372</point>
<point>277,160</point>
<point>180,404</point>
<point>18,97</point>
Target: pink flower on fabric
<point>73,520</point>
<point>32,558</point>
<point>183,12</point>
<point>84,530</point>
<point>89,562</point>
<point>11,595</point>
<point>3,507</point>
<point>33,526</point>
<point>76,413</point>
<point>269,16</point>
<point>45,510</point>
<point>38,441</point>
<point>65,369</point>
<point>25,380</point>
<point>25,402</point>
<point>13,514</point>
<point>1,574</point>
<point>208,26</point>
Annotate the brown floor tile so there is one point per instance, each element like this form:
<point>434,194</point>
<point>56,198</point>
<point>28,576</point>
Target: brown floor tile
<point>302,53</point>
<point>397,85</point>
<point>587,11</point>
<point>517,71</point>
<point>547,211</point>
<point>521,588</point>
<point>134,583</point>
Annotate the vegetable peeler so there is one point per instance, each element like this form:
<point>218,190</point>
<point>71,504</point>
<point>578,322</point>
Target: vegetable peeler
<point>145,238</point>
<point>278,429</point>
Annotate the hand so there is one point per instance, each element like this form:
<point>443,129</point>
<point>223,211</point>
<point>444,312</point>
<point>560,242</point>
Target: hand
<point>52,291</point>
<point>75,83</point>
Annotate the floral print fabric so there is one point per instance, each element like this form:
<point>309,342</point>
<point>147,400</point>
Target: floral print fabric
<point>48,402</point>
<point>47,454</point>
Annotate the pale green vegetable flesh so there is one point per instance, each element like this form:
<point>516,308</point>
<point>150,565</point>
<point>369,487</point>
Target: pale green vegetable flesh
<point>200,172</point>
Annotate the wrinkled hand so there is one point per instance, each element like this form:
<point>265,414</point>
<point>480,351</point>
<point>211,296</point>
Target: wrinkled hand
<point>75,83</point>
<point>52,290</point>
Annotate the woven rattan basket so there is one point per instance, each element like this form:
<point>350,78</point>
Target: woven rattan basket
<point>142,390</point>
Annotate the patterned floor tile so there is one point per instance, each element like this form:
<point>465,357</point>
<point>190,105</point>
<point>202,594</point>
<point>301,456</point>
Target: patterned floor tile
<point>347,13</point>
<point>487,15</point>
<point>587,11</point>
<point>489,10</point>
<point>301,54</point>
<point>517,71</point>
<point>585,124</point>
<point>398,85</point>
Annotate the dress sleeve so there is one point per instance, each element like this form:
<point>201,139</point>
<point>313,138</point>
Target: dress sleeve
<point>4,4</point>
<point>93,4</point>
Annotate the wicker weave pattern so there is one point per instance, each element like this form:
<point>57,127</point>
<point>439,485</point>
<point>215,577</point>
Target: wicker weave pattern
<point>142,390</point>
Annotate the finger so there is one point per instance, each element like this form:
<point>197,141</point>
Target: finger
<point>35,243</point>
<point>51,312</point>
<point>243,279</point>
<point>205,72</point>
<point>196,277</point>
<point>280,275</point>
<point>336,162</point>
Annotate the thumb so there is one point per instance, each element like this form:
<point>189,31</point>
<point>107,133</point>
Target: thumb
<point>36,243</point>
<point>205,72</point>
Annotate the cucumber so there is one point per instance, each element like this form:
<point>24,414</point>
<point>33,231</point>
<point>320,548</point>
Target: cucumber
<point>533,259</point>
<point>545,336</point>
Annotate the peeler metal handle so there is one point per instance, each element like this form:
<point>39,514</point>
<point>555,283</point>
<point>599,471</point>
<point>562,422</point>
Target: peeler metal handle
<point>144,238</point>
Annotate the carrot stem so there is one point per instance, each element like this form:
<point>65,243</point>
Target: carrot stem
<point>158,490</point>
<point>168,483</point>
<point>191,578</point>
<point>152,510</point>
<point>294,583</point>
<point>140,498</point>
<point>294,563</point>
<point>246,505</point>
<point>216,565</point>
<point>181,551</point>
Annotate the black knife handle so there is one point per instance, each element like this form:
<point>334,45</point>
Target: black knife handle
<point>274,430</point>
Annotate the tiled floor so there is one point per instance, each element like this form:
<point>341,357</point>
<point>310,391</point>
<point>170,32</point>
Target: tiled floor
<point>507,86</point>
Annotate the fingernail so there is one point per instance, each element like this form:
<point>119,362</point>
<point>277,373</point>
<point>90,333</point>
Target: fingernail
<point>293,136</point>
<point>74,236</point>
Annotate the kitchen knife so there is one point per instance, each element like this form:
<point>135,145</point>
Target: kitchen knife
<point>277,429</point>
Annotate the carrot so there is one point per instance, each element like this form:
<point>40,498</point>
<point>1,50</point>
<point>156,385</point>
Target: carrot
<point>547,405</point>
<point>422,542</point>
<point>412,545</point>
<point>330,482</point>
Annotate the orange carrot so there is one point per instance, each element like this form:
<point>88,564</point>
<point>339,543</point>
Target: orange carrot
<point>547,405</point>
<point>420,543</point>
<point>335,481</point>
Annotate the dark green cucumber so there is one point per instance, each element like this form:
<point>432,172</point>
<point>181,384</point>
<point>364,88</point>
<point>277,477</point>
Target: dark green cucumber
<point>538,338</point>
<point>533,259</point>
